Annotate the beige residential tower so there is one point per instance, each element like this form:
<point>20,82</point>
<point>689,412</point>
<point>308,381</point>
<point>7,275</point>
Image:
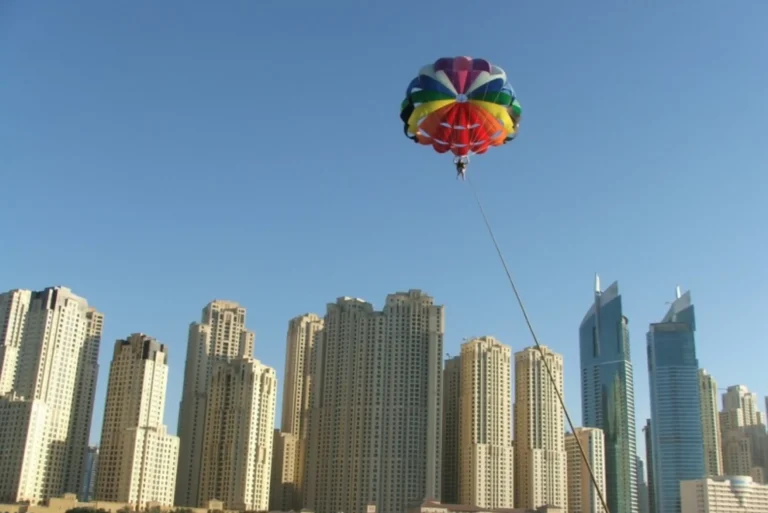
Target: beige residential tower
<point>485,425</point>
<point>540,457</point>
<point>582,495</point>
<point>375,421</point>
<point>290,441</point>
<point>220,336</point>
<point>710,424</point>
<point>238,435</point>
<point>50,347</point>
<point>137,457</point>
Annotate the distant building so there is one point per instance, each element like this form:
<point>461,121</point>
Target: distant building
<point>289,450</point>
<point>451,428</point>
<point>479,419</point>
<point>137,457</point>
<point>49,349</point>
<point>540,457</point>
<point>240,415</point>
<point>607,392</point>
<point>642,488</point>
<point>376,405</point>
<point>745,442</point>
<point>710,424</point>
<point>582,495</point>
<point>436,507</point>
<point>673,372</point>
<point>647,432</point>
<point>89,476</point>
<point>725,494</point>
<point>220,336</point>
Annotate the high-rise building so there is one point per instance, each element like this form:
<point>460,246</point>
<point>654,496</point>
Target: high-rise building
<point>743,431</point>
<point>220,337</point>
<point>642,487</point>
<point>376,406</point>
<point>724,494</point>
<point>239,426</point>
<point>710,424</point>
<point>540,457</point>
<point>289,443</point>
<point>89,475</point>
<point>649,460</point>
<point>50,351</point>
<point>582,495</point>
<point>485,463</point>
<point>673,372</point>
<point>607,393</point>
<point>451,427</point>
<point>137,457</point>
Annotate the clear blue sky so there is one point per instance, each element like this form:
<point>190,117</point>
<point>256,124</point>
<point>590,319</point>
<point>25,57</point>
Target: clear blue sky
<point>157,155</point>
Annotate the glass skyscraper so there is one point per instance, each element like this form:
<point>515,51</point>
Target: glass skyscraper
<point>676,432</point>
<point>607,393</point>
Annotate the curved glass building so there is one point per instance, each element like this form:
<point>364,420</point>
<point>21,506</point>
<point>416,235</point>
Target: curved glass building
<point>676,430</point>
<point>607,393</point>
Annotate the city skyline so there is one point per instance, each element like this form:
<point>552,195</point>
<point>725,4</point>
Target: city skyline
<point>138,375</point>
<point>171,414</point>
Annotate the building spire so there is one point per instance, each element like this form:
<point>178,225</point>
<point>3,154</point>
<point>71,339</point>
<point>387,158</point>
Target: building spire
<point>677,292</point>
<point>597,283</point>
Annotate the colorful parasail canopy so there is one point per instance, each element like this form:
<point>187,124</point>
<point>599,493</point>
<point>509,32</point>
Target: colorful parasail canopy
<point>462,105</point>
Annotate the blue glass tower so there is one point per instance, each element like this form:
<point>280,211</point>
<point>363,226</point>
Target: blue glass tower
<point>608,395</point>
<point>676,433</point>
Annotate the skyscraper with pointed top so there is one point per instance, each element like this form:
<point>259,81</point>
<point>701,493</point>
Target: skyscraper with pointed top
<point>607,392</point>
<point>676,433</point>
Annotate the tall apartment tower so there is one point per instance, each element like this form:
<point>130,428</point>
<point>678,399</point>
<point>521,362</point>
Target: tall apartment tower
<point>540,457</point>
<point>376,400</point>
<point>743,431</point>
<point>582,496</point>
<point>607,392</point>
<point>485,451</point>
<point>451,428</point>
<point>290,442</point>
<point>237,444</point>
<point>710,424</point>
<point>137,456</point>
<point>50,344</point>
<point>673,374</point>
<point>220,337</point>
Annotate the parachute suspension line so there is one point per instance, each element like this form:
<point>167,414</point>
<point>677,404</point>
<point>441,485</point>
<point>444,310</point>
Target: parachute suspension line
<point>538,346</point>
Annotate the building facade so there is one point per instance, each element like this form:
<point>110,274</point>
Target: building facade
<point>375,420</point>
<point>89,475</point>
<point>710,424</point>
<point>540,456</point>
<point>290,443</point>
<point>743,431</point>
<point>451,427</point>
<point>647,433</point>
<point>673,372</point>
<point>238,435</point>
<point>486,463</point>
<point>607,392</point>
<point>642,487</point>
<point>725,494</point>
<point>582,495</point>
<point>50,345</point>
<point>137,458</point>
<point>220,336</point>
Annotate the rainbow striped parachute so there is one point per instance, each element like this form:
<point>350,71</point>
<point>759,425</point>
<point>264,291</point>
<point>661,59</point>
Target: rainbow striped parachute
<point>462,105</point>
